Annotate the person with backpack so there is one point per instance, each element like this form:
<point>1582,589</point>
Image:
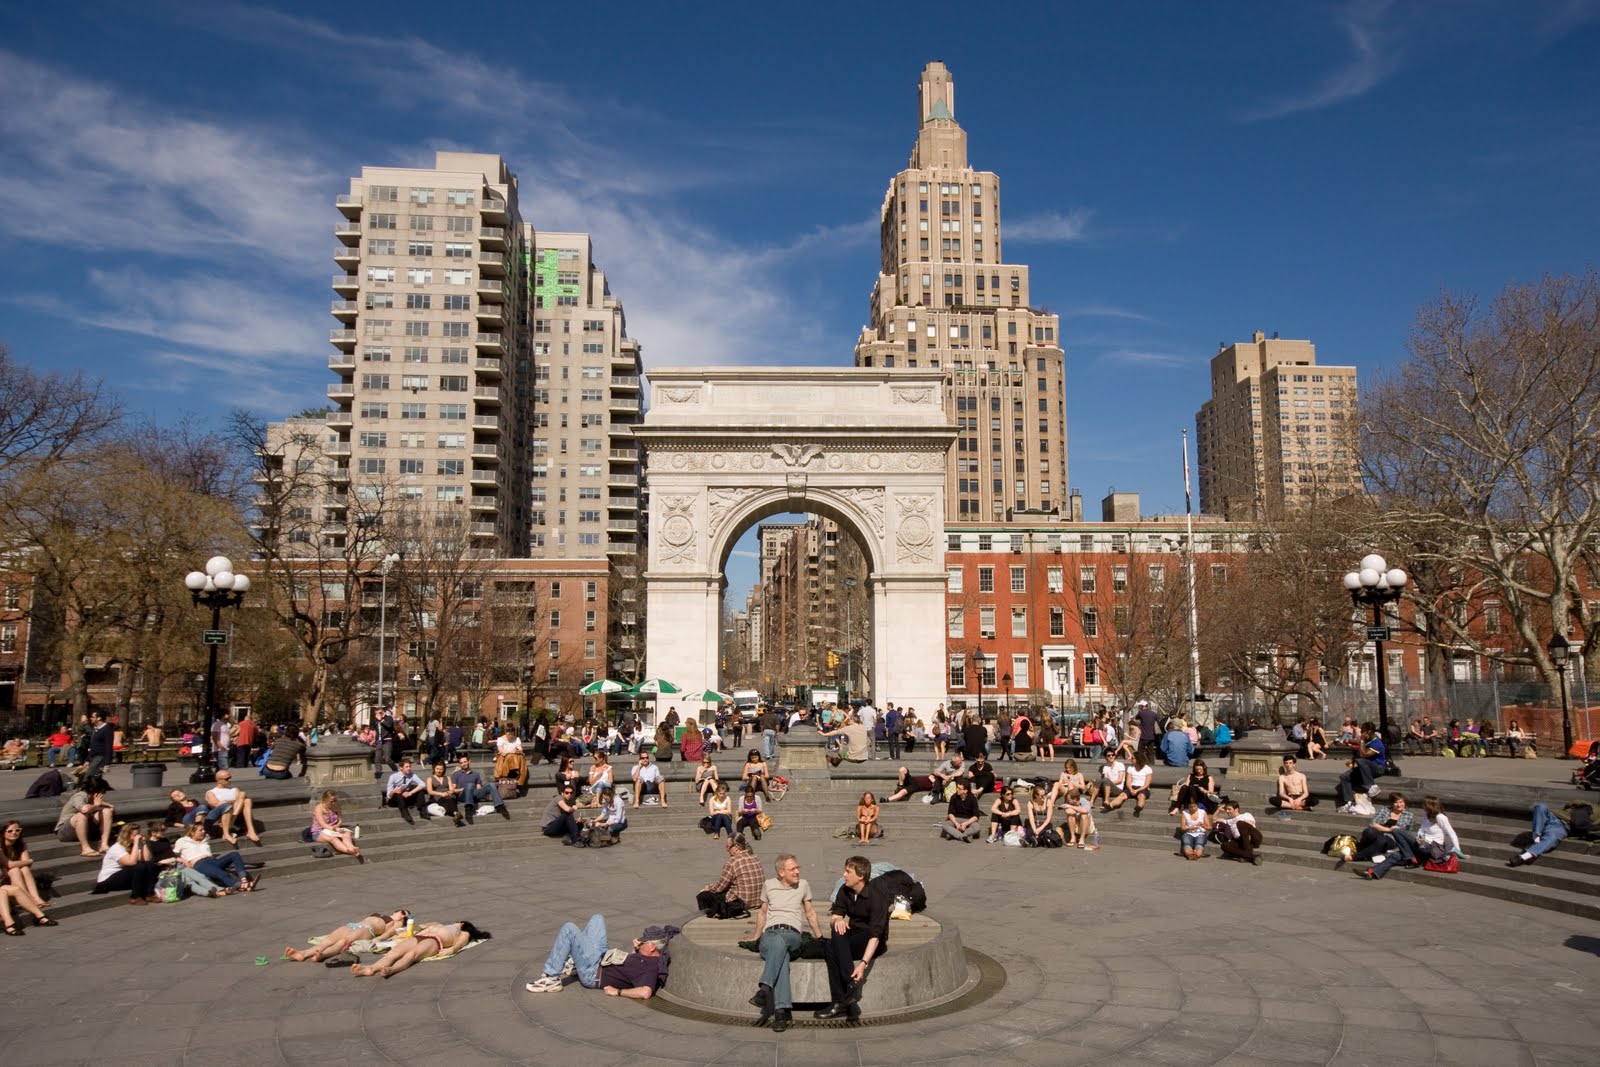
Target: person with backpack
<point>1551,827</point>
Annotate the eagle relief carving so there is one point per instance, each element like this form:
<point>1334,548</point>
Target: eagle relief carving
<point>796,455</point>
<point>911,394</point>
<point>673,395</point>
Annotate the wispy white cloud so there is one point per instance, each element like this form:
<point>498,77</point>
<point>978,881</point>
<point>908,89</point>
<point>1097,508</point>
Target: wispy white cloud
<point>1372,59</point>
<point>741,553</point>
<point>122,176</point>
<point>1105,311</point>
<point>1050,227</point>
<point>1136,356</point>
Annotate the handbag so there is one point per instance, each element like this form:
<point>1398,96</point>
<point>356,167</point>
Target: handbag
<point>705,823</point>
<point>1448,866</point>
<point>763,820</point>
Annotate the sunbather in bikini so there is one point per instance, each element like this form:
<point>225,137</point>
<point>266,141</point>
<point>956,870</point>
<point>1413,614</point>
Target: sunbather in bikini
<point>373,927</point>
<point>434,939</point>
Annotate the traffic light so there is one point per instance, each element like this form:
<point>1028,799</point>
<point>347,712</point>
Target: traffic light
<point>833,660</point>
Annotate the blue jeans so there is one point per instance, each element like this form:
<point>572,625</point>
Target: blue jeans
<point>769,743</point>
<point>1361,777</point>
<point>195,882</point>
<point>775,945</point>
<point>583,947</point>
<point>1548,831</point>
<point>1405,851</point>
<point>720,823</point>
<point>486,791</point>
<point>227,871</point>
<point>50,759</point>
<point>213,815</point>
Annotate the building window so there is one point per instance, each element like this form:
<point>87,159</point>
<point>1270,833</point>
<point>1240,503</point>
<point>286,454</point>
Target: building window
<point>1053,579</point>
<point>1091,670</point>
<point>1086,579</point>
<point>1019,672</point>
<point>1091,622</point>
<point>8,637</point>
<point>1119,578</point>
<point>1158,577</point>
<point>985,579</point>
<point>1019,579</point>
<point>1058,623</point>
<point>986,621</point>
<point>953,581</point>
<point>958,670</point>
<point>955,622</point>
<point>1019,621</point>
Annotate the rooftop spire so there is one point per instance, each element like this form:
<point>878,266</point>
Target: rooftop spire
<point>940,140</point>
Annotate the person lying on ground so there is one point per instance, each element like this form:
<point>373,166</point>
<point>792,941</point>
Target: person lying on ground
<point>432,940</point>
<point>578,953</point>
<point>374,927</point>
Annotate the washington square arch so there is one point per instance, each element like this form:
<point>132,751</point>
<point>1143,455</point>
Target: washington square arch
<point>728,447</point>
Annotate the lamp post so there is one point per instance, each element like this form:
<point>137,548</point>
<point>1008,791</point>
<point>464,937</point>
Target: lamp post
<point>1061,680</point>
<point>849,638</point>
<point>977,669</point>
<point>383,616</point>
<point>1374,583</point>
<point>216,587</point>
<point>416,695</point>
<point>1005,680</point>
<point>1559,650</point>
<point>527,697</point>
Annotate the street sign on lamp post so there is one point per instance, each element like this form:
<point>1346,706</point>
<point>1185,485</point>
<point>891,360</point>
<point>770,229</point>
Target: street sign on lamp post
<point>216,587</point>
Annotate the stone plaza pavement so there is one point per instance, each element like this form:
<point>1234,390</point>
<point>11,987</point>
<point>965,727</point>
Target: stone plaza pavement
<point>1117,956</point>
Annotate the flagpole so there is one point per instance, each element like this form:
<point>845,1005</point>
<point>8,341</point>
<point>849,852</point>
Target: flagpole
<point>1195,692</point>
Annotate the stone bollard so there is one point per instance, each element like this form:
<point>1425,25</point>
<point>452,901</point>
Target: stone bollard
<point>336,761</point>
<point>802,747</point>
<point>1259,754</point>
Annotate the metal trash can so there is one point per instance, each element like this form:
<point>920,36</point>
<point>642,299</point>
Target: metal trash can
<point>148,775</point>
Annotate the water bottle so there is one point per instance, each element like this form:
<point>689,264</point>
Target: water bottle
<point>410,927</point>
<point>1096,838</point>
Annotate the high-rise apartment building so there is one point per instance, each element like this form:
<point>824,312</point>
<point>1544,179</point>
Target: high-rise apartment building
<point>946,299</point>
<point>584,465</point>
<point>1278,431</point>
<point>433,359</point>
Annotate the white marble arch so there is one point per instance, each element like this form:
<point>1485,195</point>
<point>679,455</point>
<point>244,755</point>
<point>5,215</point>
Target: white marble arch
<point>728,446</point>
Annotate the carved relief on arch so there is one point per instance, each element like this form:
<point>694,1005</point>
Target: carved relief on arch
<point>677,528</point>
<point>721,503</point>
<point>677,394</point>
<point>914,534</point>
<point>870,503</point>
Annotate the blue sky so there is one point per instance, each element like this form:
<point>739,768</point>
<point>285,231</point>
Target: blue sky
<point>1176,175</point>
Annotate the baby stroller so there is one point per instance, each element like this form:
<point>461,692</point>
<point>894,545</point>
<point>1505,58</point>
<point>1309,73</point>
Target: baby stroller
<point>1588,776</point>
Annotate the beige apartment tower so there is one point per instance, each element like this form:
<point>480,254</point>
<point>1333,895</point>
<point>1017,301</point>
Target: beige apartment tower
<point>1278,431</point>
<point>432,343</point>
<point>584,463</point>
<point>946,299</point>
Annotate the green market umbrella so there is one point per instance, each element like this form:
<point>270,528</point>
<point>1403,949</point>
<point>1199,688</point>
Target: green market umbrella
<point>655,687</point>
<point>602,687</point>
<point>711,696</point>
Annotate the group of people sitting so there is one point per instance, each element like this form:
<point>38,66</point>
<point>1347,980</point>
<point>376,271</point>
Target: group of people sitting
<point>460,795</point>
<point>19,889</point>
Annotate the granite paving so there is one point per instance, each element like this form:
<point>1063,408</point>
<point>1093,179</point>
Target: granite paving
<point>1116,956</point>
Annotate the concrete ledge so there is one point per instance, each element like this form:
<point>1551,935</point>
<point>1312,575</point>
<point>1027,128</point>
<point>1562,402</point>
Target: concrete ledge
<point>925,965</point>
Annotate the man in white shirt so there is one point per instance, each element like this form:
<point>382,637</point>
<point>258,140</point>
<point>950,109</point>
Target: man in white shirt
<point>869,718</point>
<point>1236,832</point>
<point>404,790</point>
<point>785,906</point>
<point>647,782</point>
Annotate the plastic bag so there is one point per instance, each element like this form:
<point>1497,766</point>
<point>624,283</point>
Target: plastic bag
<point>1015,838</point>
<point>901,908</point>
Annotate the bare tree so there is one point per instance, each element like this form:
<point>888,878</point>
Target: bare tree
<point>1488,441</point>
<point>1137,612</point>
<point>43,417</point>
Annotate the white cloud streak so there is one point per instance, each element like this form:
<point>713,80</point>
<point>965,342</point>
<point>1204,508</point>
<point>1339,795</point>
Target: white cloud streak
<point>1050,227</point>
<point>1370,62</point>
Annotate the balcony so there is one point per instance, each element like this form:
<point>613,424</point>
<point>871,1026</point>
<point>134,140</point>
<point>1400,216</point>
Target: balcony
<point>488,289</point>
<point>346,257</point>
<point>346,283</point>
<point>629,480</point>
<point>336,448</point>
<point>337,419</point>
<point>629,455</point>
<point>624,503</point>
<point>348,232</point>
<point>486,395</point>
<point>622,526</point>
<point>482,502</point>
<point>343,338</point>
<point>342,391</point>
<point>486,422</point>
<point>492,237</point>
<point>623,403</point>
<point>342,361</point>
<point>486,451</point>
<point>492,208</point>
<point>349,205</point>
<point>482,529</point>
<point>491,315</point>
<point>485,475</point>
<point>624,381</point>
<point>621,548</point>
<point>339,473</point>
<point>492,264</point>
<point>491,342</point>
<point>626,358</point>
<point>489,366</point>
<point>345,310</point>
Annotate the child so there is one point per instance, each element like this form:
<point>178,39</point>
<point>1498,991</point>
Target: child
<point>866,817</point>
<point>1195,823</point>
<point>1078,818</point>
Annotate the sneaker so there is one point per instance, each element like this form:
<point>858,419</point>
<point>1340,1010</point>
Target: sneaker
<point>992,839</point>
<point>1347,809</point>
<point>569,970</point>
<point>547,983</point>
<point>485,809</point>
<point>1373,790</point>
<point>927,798</point>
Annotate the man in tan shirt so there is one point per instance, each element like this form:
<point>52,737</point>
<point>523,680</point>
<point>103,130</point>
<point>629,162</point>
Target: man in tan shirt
<point>785,904</point>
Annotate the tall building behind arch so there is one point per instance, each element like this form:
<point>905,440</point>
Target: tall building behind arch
<point>946,299</point>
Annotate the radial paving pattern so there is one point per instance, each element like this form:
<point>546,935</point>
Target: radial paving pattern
<point>1110,957</point>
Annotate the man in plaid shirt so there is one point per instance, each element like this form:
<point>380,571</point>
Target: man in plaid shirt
<point>729,896</point>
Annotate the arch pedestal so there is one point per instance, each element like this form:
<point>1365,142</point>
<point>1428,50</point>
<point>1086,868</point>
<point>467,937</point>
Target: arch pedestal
<point>728,447</point>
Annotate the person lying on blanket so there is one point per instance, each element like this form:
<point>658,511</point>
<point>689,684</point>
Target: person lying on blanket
<point>373,927</point>
<point>432,941</point>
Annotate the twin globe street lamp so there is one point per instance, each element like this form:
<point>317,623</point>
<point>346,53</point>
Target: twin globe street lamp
<point>216,587</point>
<point>1375,583</point>
<point>1559,649</point>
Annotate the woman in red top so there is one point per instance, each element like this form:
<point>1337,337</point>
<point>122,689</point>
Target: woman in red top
<point>693,745</point>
